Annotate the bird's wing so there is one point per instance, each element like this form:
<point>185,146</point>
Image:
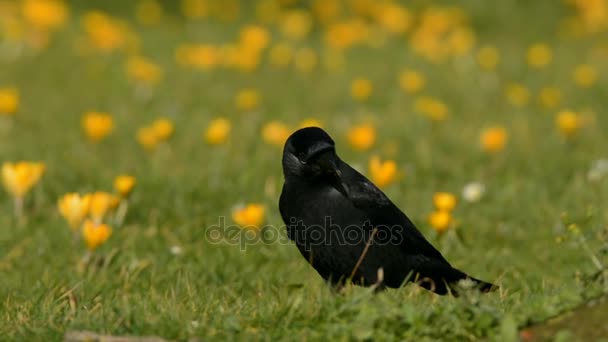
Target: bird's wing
<point>381,211</point>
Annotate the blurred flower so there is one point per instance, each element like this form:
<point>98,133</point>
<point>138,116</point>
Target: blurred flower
<point>488,57</point>
<point>441,33</point>
<point>97,125</point>
<point>95,234</point>
<point>249,216</point>
<point>254,37</point>
<point>310,123</point>
<point>106,33</point>
<point>361,89</point>
<point>100,203</point>
<point>344,34</point>
<point>550,97</point>
<point>45,14</point>
<point>493,139</point>
<point>517,94</point>
<point>140,69</point>
<point>305,60</point>
<point>74,208</point>
<point>296,24</point>
<point>440,221</point>
<point>147,137</point>
<point>598,170</point>
<point>382,173</point>
<point>9,101</point>
<point>444,201</point>
<point>411,81</point>
<point>281,55</point>
<point>247,99</point>
<point>362,137</point>
<point>585,75</point>
<point>393,17</point>
<point>149,12</point>
<point>124,184</point>
<point>163,128</point>
<point>176,250</point>
<point>218,131</point>
<point>275,133</point>
<point>473,192</point>
<point>20,177</point>
<point>539,55</point>
<point>202,57</point>
<point>568,123</point>
<point>432,108</point>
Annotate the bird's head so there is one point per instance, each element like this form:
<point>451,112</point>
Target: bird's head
<point>310,155</point>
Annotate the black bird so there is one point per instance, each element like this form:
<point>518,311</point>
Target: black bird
<point>349,230</point>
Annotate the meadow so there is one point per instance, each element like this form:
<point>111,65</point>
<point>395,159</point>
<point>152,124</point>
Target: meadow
<point>141,141</point>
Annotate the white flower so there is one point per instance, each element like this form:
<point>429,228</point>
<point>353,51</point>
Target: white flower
<point>176,250</point>
<point>473,192</point>
<point>599,169</point>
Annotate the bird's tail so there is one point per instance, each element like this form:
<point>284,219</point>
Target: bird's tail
<point>451,280</point>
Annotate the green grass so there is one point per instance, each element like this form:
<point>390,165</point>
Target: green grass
<point>134,285</point>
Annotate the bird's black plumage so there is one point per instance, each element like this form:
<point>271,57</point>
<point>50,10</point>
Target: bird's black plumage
<point>347,228</point>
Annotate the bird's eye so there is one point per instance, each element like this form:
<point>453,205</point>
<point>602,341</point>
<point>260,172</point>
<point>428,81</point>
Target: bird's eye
<point>302,157</point>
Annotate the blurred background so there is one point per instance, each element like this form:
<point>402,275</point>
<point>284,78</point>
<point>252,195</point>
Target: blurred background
<point>131,129</point>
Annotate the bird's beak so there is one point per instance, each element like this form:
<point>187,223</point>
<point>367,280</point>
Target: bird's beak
<point>328,163</point>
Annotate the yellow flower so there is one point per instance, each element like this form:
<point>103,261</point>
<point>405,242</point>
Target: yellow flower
<point>444,201</point>
<point>147,137</point>
<point>296,24</point>
<point>149,12</point>
<point>45,14</point>
<point>432,108</point>
<point>104,32</point>
<point>461,40</point>
<point>585,75</point>
<point>411,81</point>
<point>247,99</point>
<point>95,234</point>
<point>539,55</point>
<point>517,94</point>
<point>202,57</point>
<point>163,128</point>
<point>362,137</point>
<point>361,89</point>
<point>382,173</point>
<point>440,221</point>
<point>100,203</point>
<point>9,101</point>
<point>493,139</point>
<point>305,60</point>
<point>97,125</point>
<point>249,216</point>
<point>124,184</point>
<point>275,133</point>
<point>74,208</point>
<point>254,37</point>
<point>281,55</point>
<point>568,123</point>
<point>310,123</point>
<point>550,97</point>
<point>394,18</point>
<point>218,131</point>
<point>488,57</point>
<point>20,177</point>
<point>142,70</point>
